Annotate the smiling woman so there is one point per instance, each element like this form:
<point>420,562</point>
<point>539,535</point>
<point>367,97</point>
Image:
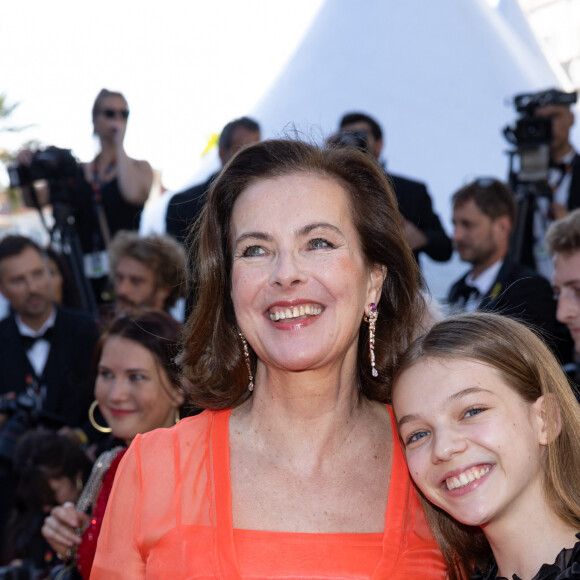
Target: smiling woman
<point>491,433</point>
<point>292,471</point>
<point>136,391</point>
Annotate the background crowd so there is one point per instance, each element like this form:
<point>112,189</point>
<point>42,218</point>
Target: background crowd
<point>100,310</point>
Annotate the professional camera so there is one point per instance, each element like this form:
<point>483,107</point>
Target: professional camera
<point>24,414</point>
<point>351,139</point>
<point>532,135</point>
<point>57,166</point>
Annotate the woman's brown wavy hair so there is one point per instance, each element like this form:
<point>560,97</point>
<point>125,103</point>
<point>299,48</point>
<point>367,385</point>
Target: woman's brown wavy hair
<point>214,371</point>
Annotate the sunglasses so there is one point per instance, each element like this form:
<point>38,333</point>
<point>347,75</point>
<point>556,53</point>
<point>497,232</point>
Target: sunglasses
<point>112,113</point>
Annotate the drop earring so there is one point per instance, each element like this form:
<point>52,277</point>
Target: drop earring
<point>248,364</point>
<point>372,320</point>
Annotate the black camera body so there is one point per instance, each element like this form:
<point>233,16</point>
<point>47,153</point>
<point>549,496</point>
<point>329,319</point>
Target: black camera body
<point>57,166</point>
<point>24,413</point>
<point>351,139</point>
<point>532,135</point>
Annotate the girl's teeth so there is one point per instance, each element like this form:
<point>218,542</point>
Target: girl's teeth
<point>466,478</point>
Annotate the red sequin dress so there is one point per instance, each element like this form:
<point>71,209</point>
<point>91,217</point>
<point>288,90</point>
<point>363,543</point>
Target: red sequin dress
<point>88,546</point>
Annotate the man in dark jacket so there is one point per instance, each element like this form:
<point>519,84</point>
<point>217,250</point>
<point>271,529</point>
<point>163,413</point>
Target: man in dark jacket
<point>184,207</point>
<point>45,355</point>
<point>483,215</point>
<point>422,227</point>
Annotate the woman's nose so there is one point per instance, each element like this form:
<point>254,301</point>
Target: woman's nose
<point>117,390</point>
<point>287,271</point>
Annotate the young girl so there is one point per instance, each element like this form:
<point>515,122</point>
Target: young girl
<point>491,433</point>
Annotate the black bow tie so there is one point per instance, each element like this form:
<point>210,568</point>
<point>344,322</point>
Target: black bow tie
<point>561,167</point>
<point>467,292</point>
<point>29,341</point>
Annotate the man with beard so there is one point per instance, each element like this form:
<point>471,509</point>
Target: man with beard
<point>484,213</point>
<point>46,351</point>
<point>45,356</point>
<point>147,272</point>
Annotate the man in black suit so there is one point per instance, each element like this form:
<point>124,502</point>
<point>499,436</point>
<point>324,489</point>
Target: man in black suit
<point>45,350</point>
<point>484,213</point>
<point>45,355</point>
<point>184,207</point>
<point>422,227</point>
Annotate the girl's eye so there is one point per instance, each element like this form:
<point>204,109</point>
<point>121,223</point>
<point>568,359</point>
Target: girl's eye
<point>136,377</point>
<point>105,374</point>
<point>253,251</point>
<point>414,437</point>
<point>474,411</point>
<point>320,243</point>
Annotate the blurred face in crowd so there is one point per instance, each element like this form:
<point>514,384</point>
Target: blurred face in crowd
<point>562,120</point>
<point>56,280</point>
<point>110,121</point>
<point>136,287</point>
<point>566,283</point>
<point>375,145</point>
<point>132,389</point>
<point>240,138</point>
<point>478,239</point>
<point>25,282</point>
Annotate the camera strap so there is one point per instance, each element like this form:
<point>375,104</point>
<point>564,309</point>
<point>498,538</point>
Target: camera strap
<point>97,186</point>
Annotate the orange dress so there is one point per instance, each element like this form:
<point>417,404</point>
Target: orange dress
<point>170,517</point>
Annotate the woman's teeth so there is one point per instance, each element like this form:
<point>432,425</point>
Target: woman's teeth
<point>296,312</point>
<point>466,477</point>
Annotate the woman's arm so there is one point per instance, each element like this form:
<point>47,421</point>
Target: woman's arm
<point>135,177</point>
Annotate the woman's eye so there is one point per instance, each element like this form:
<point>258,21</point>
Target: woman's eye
<point>414,437</point>
<point>251,251</point>
<point>105,374</point>
<point>136,377</point>
<point>320,243</point>
<point>474,411</point>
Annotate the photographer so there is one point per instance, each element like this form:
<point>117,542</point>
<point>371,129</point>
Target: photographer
<point>45,355</point>
<point>107,194</point>
<point>555,189</point>
<point>421,225</point>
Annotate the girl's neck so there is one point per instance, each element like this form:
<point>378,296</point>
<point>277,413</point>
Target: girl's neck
<point>523,547</point>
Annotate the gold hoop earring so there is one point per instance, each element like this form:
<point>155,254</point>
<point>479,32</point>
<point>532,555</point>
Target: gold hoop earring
<point>94,423</point>
<point>248,364</point>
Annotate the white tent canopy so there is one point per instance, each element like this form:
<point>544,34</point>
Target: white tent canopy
<point>438,76</point>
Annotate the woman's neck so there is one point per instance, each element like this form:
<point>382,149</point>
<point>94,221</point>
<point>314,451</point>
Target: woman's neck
<point>522,547</point>
<point>107,155</point>
<point>304,413</point>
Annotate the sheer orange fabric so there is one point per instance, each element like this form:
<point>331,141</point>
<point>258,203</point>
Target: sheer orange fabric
<point>169,516</point>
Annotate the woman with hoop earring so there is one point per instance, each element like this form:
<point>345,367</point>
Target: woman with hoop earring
<point>136,391</point>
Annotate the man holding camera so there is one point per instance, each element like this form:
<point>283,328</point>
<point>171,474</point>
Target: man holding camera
<point>422,227</point>
<point>562,193</point>
<point>45,355</point>
<point>45,350</point>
